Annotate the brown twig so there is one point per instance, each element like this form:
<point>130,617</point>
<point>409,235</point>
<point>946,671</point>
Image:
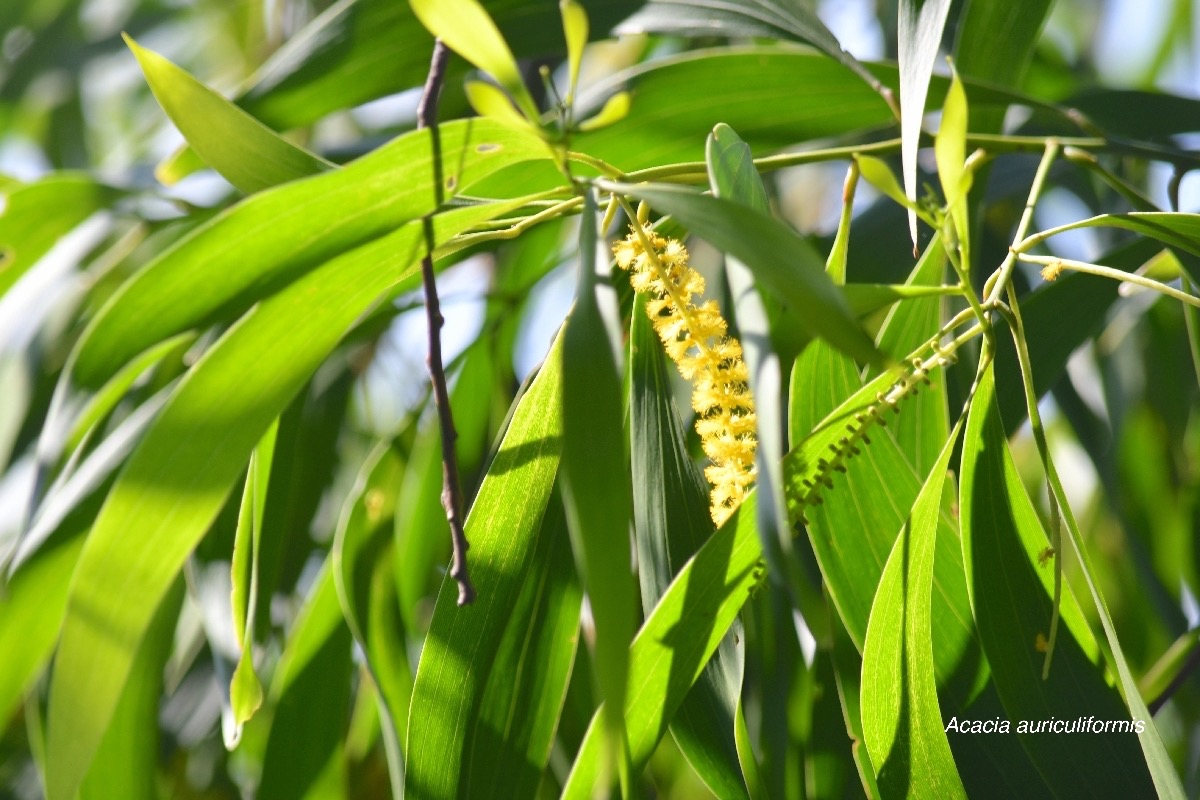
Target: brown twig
<point>452,499</point>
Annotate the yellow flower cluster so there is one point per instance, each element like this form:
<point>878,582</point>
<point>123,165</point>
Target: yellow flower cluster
<point>696,340</point>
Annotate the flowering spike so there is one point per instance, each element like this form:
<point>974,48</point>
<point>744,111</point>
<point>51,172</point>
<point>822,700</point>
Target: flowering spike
<point>695,338</point>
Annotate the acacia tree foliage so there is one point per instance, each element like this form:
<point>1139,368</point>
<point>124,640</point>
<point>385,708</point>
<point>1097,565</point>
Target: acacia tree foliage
<point>890,517</point>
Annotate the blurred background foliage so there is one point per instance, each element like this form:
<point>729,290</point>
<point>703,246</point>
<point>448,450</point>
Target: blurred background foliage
<point>95,183</point>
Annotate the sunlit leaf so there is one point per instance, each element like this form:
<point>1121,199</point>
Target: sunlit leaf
<point>246,153</point>
<point>467,29</point>
<point>901,718</point>
<point>503,527</point>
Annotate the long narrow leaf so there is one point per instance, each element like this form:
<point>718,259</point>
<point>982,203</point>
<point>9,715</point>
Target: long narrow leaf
<point>503,528</point>
<point>901,718</point>
<point>180,474</point>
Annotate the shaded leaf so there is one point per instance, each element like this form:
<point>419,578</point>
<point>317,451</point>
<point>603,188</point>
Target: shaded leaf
<point>1011,600</point>
<point>595,477</point>
<point>671,522</point>
<point>519,712</point>
<point>675,642</point>
<point>309,696</point>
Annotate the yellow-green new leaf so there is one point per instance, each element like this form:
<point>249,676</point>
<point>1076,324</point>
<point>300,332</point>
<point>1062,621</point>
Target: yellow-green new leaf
<point>247,153</point>
<point>575,29</point>
<point>468,30</point>
<point>615,109</point>
<point>245,691</point>
<point>950,150</point>
<point>488,101</point>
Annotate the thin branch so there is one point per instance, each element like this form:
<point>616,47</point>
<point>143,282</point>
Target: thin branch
<point>452,499</point>
<point>1052,267</point>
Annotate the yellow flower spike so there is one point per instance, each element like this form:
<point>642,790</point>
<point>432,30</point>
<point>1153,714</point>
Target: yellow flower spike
<point>696,339</point>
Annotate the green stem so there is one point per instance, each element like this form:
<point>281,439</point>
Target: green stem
<point>600,165</point>
<point>1056,554</point>
<point>563,208</point>
<point>1127,190</point>
<point>1109,272</point>
<point>1012,313</point>
<point>999,281</point>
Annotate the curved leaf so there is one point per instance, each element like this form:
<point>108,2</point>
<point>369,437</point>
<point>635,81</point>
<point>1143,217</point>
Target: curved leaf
<point>34,216</point>
<point>675,642</point>
<point>743,18</point>
<point>272,238</point>
<point>468,30</point>
<point>180,474</point>
<point>247,153</point>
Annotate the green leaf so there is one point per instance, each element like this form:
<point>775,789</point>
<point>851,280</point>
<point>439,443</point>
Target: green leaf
<point>995,42</point>
<point>925,423</point>
<point>272,238</point>
<point>950,150</point>
<point>575,31</point>
<point>489,101</point>
<point>468,30</point>
<point>31,612</point>
<point>362,557</point>
<point>595,477</point>
<point>780,259</point>
<point>920,34</point>
<point>877,173</point>
<point>615,109</point>
<point>503,528</point>
<point>671,522</point>
<point>901,718</point>
<point>245,691</point>
<point>309,697</point>
<point>854,526</point>
<point>247,153</point>
<point>34,216</point>
<point>1011,600</point>
<point>676,641</point>
<point>518,715</point>
<point>744,18</point>
<point>126,764</point>
<point>177,479</point>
